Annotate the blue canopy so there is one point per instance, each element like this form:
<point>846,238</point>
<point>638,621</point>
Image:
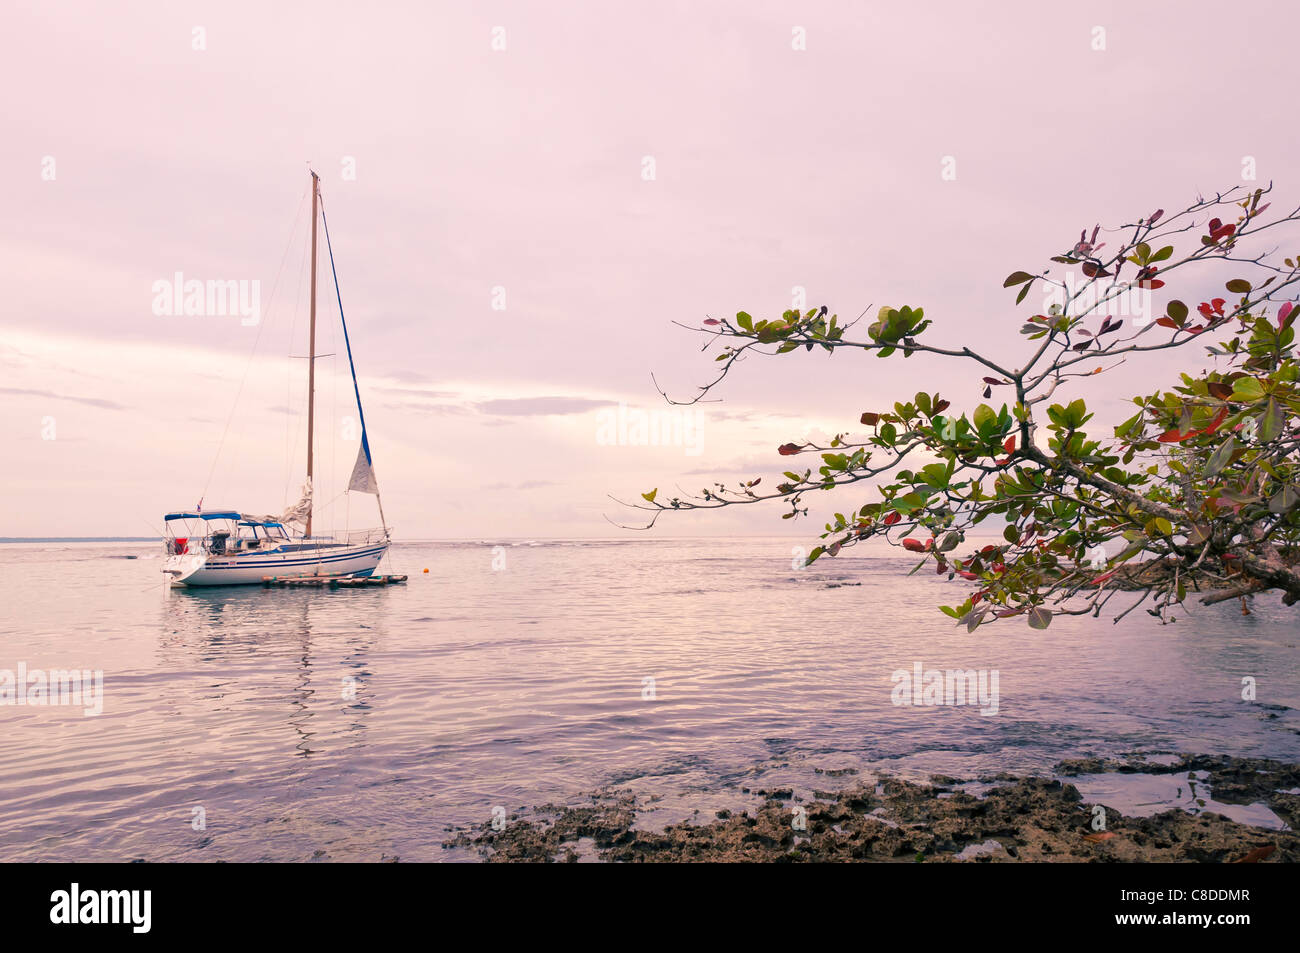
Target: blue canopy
<point>220,515</point>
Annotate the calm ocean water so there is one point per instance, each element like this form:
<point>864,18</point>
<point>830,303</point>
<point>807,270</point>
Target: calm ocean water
<point>479,687</point>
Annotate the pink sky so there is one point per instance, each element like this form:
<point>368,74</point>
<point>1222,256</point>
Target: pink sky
<point>522,168</point>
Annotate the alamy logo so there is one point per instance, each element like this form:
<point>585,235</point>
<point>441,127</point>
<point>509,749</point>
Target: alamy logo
<point>193,298</point>
<point>922,686</point>
<point>56,686</point>
<point>625,426</point>
<point>134,907</point>
<point>1082,296</point>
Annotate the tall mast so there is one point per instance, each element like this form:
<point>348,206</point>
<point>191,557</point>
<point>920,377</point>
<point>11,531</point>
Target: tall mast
<point>311,352</point>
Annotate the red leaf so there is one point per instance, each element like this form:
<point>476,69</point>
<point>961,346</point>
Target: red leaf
<point>993,380</point>
<point>869,419</point>
<point>1217,422</point>
<point>967,575</point>
<point>712,321</point>
<point>1174,436</point>
<point>1167,323</point>
<point>892,517</point>
<point>788,449</point>
<point>1010,445</point>
<point>914,545</point>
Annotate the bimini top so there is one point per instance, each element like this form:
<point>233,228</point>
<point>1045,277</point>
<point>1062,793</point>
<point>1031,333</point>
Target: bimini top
<point>214,515</point>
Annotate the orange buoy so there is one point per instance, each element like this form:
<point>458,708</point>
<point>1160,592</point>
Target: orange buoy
<point>426,570</point>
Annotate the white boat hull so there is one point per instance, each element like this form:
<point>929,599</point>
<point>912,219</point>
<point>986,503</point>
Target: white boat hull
<point>248,568</point>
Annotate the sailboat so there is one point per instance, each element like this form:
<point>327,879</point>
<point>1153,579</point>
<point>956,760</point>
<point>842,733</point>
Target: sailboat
<point>225,547</point>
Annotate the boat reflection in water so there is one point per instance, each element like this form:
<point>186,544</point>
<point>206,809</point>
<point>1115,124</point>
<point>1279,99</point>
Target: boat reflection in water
<point>293,652</point>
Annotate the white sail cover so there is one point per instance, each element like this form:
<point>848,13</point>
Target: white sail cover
<point>363,473</point>
<point>300,511</point>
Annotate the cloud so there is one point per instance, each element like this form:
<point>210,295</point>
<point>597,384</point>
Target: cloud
<point>525,485</point>
<point>417,408</point>
<point>540,406</point>
<point>753,466</point>
<point>413,391</point>
<point>91,401</point>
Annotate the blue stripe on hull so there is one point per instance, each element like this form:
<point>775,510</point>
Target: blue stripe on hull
<point>280,563</point>
<point>237,573</point>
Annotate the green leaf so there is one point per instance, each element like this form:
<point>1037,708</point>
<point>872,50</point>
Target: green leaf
<point>1016,278</point>
<point>1247,390</point>
<point>744,320</point>
<point>1221,457</point>
<point>1039,618</point>
<point>1271,421</point>
<point>1132,425</point>
<point>650,497</point>
<point>1177,310</point>
<point>1284,500</point>
<point>1268,422</point>
<point>1238,286</point>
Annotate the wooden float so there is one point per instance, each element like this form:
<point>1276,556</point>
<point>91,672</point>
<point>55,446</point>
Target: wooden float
<point>330,581</point>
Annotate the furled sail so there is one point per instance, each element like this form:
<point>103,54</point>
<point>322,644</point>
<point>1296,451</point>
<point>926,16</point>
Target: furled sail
<point>299,512</point>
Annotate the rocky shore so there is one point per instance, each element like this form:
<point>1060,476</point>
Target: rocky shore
<point>983,820</point>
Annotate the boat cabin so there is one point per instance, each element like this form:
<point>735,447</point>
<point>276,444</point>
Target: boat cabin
<point>222,532</point>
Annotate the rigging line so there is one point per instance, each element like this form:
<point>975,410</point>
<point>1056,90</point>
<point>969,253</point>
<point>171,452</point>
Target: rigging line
<point>261,326</point>
<point>334,411</point>
<point>347,343</point>
<point>291,431</point>
<point>365,440</point>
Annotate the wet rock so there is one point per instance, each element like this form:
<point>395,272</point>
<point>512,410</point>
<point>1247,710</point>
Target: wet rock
<point>1029,819</point>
